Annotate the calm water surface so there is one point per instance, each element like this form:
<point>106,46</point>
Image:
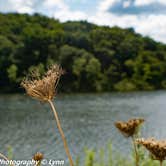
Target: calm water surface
<point>88,120</point>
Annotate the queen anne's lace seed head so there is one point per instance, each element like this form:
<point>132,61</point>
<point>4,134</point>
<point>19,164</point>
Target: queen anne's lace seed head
<point>43,88</point>
<point>38,156</point>
<point>130,127</point>
<point>157,148</point>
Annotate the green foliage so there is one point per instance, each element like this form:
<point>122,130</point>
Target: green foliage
<point>109,157</point>
<point>125,85</point>
<point>12,72</point>
<point>10,152</point>
<point>96,58</point>
<point>90,155</point>
<point>87,68</point>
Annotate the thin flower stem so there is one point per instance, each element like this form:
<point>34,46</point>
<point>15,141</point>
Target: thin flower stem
<point>5,158</point>
<point>61,133</point>
<point>161,163</point>
<point>136,152</point>
<point>38,163</point>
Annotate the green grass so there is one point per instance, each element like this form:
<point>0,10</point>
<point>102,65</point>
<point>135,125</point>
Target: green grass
<point>108,157</point>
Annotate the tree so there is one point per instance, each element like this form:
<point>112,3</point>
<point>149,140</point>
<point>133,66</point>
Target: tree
<point>12,73</point>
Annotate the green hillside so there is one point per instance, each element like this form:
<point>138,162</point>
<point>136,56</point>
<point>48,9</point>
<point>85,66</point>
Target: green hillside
<point>96,58</point>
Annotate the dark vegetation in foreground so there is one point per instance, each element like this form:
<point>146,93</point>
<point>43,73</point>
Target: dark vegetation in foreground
<point>96,58</point>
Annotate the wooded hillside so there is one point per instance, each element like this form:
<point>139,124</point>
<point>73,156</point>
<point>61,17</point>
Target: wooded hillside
<point>96,58</point>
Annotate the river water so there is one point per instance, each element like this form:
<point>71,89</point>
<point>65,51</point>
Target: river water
<point>28,126</point>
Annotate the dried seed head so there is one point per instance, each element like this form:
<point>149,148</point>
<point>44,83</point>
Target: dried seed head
<point>43,88</point>
<point>130,127</point>
<point>157,148</point>
<point>38,156</point>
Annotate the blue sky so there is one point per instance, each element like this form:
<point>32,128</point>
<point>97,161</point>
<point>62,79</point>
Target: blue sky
<point>147,17</point>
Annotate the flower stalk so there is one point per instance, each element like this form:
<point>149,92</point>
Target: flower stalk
<point>61,132</point>
<point>135,151</point>
<point>43,88</point>
<point>161,163</point>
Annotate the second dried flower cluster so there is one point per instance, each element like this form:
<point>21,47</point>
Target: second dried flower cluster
<point>156,147</point>
<point>130,127</point>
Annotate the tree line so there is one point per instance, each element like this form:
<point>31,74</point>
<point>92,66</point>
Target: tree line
<point>95,58</point>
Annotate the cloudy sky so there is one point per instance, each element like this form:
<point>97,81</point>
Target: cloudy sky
<point>148,17</point>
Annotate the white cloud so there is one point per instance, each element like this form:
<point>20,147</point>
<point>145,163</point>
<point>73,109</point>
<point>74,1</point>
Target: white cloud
<point>50,4</point>
<point>143,2</point>
<point>105,4</point>
<point>65,15</point>
<point>56,8</point>
<point>153,26</point>
<point>150,25</point>
<point>25,9</point>
<point>146,2</point>
<point>147,25</point>
<point>17,6</point>
<point>126,4</point>
<point>106,18</point>
<point>63,11</point>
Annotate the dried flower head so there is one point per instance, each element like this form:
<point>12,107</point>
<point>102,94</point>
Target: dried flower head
<point>43,88</point>
<point>130,127</point>
<point>157,148</point>
<point>38,156</point>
